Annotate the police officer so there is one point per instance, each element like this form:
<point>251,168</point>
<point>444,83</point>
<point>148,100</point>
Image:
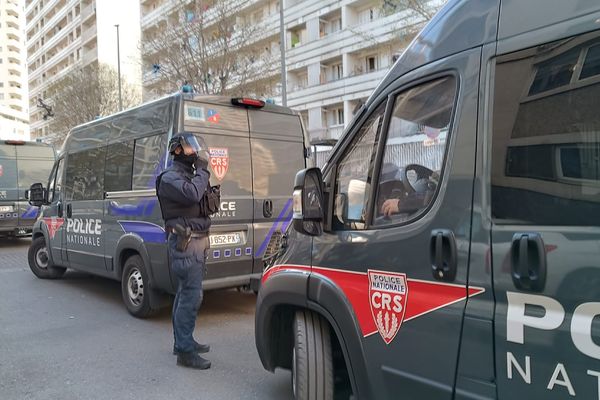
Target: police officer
<point>180,189</point>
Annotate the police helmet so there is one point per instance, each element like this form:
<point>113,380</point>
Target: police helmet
<point>188,141</point>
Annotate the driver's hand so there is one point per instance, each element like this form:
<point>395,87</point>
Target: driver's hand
<point>389,207</point>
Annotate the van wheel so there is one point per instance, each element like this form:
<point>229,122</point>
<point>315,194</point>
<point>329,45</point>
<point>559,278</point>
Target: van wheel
<point>312,365</point>
<point>135,288</point>
<point>39,261</point>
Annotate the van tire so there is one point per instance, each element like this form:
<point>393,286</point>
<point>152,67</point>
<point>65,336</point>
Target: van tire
<point>39,261</point>
<point>135,288</point>
<point>312,361</point>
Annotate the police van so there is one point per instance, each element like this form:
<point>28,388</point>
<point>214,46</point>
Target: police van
<point>101,214</point>
<point>21,164</point>
<point>450,248</point>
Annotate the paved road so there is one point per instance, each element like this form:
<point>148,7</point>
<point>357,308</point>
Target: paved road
<point>73,339</point>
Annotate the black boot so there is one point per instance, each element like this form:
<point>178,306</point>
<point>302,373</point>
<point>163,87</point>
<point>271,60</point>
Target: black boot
<point>198,348</point>
<point>192,360</point>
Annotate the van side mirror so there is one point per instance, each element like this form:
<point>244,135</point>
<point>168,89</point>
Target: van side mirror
<point>308,202</point>
<point>36,195</point>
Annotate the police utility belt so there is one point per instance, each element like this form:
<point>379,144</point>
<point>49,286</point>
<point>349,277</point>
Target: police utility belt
<point>184,235</point>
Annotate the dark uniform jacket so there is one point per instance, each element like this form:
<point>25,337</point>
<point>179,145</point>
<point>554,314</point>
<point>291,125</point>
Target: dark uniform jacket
<point>180,190</point>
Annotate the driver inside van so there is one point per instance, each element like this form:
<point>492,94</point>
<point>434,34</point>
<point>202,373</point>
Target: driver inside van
<point>401,196</point>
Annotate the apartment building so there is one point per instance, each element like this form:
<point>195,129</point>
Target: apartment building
<point>67,34</point>
<point>159,15</point>
<point>14,116</point>
<point>337,51</point>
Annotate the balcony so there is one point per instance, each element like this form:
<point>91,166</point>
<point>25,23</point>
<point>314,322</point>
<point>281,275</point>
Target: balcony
<point>89,34</point>
<point>55,39</point>
<point>155,15</point>
<point>52,61</point>
<point>381,30</point>
<point>358,86</point>
<point>50,24</point>
<point>88,11</point>
<point>90,56</point>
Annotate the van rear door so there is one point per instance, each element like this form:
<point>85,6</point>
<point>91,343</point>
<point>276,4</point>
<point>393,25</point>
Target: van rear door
<point>34,163</point>
<point>9,192</point>
<point>225,130</point>
<point>277,150</point>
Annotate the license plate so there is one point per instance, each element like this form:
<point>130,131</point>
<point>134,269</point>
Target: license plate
<point>6,208</point>
<point>225,239</point>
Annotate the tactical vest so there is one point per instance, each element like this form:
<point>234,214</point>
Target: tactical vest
<point>171,209</point>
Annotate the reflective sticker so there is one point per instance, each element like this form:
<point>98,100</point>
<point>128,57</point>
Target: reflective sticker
<point>248,251</point>
<point>227,253</point>
<point>219,161</point>
<point>53,224</point>
<point>238,252</point>
<point>194,113</point>
<point>216,253</point>
<point>425,296</point>
<point>213,116</point>
<point>387,295</point>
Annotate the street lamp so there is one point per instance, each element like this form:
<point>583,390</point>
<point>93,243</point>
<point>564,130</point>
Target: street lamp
<point>282,50</point>
<point>119,69</point>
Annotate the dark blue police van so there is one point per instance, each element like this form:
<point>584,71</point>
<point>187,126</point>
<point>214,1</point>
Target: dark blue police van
<point>21,164</point>
<point>100,212</point>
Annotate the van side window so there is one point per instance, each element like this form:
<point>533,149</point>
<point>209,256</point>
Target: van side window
<point>149,157</point>
<point>55,185</point>
<point>83,180</point>
<point>354,172</point>
<point>546,148</point>
<point>119,166</point>
<point>414,151</point>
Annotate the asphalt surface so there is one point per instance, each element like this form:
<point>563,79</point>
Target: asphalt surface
<point>73,339</point>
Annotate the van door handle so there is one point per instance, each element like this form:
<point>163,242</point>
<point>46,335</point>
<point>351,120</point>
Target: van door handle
<point>528,261</point>
<point>69,210</point>
<point>268,208</point>
<point>442,250</point>
<point>59,209</point>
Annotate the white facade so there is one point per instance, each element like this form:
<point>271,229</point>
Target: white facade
<point>14,113</point>
<point>337,51</point>
<point>65,34</point>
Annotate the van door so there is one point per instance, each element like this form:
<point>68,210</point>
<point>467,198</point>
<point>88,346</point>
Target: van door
<point>9,190</point>
<point>545,205</point>
<point>398,250</point>
<point>34,163</point>
<point>225,130</point>
<point>277,153</point>
<point>84,209</point>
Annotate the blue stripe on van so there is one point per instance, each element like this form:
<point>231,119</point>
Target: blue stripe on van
<point>143,208</point>
<point>279,219</point>
<point>148,231</point>
<point>31,212</point>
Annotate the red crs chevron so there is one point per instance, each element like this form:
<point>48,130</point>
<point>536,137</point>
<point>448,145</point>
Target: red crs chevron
<point>383,300</point>
<point>53,225</point>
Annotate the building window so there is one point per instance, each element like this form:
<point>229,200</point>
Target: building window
<point>371,63</point>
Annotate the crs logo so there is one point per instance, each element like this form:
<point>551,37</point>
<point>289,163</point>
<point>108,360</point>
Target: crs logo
<point>387,294</point>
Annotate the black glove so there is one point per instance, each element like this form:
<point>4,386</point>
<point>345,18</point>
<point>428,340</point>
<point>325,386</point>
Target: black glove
<point>200,164</point>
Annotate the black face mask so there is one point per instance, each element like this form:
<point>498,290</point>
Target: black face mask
<point>185,159</point>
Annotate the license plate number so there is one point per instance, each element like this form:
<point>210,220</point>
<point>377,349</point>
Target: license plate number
<point>6,209</point>
<point>225,239</point>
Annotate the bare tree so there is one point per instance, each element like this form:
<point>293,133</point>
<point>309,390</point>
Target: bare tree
<point>85,94</point>
<point>214,47</point>
<point>423,8</point>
